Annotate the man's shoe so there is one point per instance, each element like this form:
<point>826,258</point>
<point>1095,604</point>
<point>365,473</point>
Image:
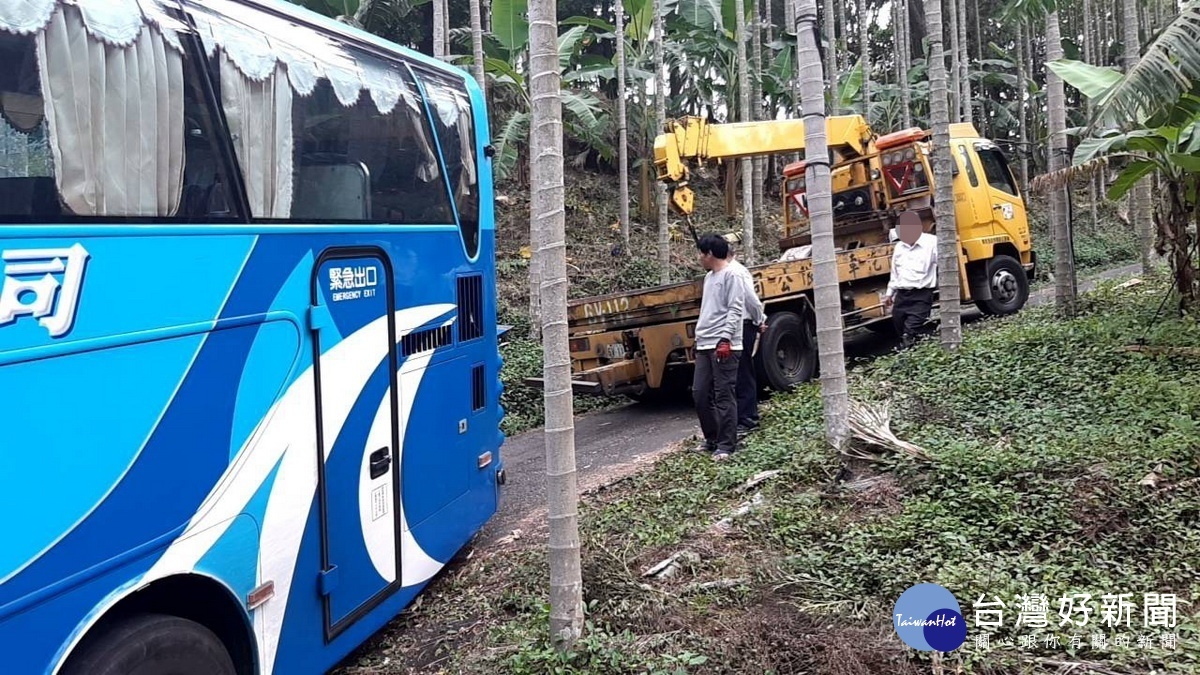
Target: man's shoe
<point>707,447</point>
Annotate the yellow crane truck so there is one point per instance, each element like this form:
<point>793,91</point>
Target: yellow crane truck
<point>640,343</point>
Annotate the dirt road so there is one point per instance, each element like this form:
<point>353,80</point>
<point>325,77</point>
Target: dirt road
<point>614,443</point>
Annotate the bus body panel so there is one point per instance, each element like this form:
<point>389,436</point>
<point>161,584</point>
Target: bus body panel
<point>181,426</point>
<point>189,398</point>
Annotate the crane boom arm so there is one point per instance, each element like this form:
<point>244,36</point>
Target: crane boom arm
<point>694,138</point>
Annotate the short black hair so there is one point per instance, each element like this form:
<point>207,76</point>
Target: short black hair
<point>714,244</point>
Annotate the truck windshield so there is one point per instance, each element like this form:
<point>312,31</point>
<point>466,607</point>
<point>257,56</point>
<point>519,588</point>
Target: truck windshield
<point>996,169</point>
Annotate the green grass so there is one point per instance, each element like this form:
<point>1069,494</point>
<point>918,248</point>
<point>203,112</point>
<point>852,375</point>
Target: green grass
<point>1040,432</point>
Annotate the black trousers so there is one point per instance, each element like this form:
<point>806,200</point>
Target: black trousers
<point>713,389</point>
<point>910,312</point>
<point>747,385</point>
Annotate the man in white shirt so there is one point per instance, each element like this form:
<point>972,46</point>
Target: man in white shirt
<point>914,277</point>
<point>754,321</point>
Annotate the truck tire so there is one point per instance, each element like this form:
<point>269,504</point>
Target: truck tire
<point>1008,284</point>
<point>152,644</point>
<point>788,353</point>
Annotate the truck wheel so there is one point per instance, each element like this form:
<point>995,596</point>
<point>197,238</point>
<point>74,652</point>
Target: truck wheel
<point>788,353</point>
<point>1008,284</point>
<point>152,644</point>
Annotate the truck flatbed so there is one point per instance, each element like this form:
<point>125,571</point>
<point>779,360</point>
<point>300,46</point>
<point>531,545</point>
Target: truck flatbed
<point>679,301</point>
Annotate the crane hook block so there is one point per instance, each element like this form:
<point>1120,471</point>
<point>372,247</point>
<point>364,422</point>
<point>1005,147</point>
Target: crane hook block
<point>683,198</point>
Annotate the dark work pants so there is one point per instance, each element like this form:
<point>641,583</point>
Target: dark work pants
<point>713,389</point>
<point>747,387</point>
<point>910,311</point>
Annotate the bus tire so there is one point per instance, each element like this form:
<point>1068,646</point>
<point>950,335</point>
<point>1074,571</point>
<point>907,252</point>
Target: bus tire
<point>152,644</point>
<point>1008,284</point>
<point>787,355</point>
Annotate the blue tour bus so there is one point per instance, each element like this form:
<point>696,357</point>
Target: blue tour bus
<point>249,373</point>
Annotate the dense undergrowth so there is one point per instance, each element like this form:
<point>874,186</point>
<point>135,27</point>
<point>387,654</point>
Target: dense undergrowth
<point>1061,462</point>
<point>1109,241</point>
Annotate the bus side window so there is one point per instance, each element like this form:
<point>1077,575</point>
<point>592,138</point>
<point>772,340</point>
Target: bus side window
<point>359,164</point>
<point>121,147</point>
<point>454,124</point>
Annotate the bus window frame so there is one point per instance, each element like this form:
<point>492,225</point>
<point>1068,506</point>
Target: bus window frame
<point>418,73</point>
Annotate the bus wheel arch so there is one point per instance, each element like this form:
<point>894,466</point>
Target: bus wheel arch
<point>194,608</point>
<point>787,355</point>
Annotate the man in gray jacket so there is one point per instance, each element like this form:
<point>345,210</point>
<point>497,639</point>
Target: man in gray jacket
<point>718,348</point>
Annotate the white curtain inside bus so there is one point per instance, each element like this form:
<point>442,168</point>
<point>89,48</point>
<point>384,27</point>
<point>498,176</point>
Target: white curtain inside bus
<point>260,121</point>
<point>115,115</point>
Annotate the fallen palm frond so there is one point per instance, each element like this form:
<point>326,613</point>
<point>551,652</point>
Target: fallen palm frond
<point>1057,180</point>
<point>1193,352</point>
<point>871,426</point>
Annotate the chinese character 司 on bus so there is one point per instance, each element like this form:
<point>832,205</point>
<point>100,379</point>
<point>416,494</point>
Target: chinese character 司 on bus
<point>30,286</point>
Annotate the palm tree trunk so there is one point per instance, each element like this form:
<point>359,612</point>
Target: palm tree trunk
<point>904,59</point>
<point>985,120</point>
<point>477,46</point>
<point>770,103</point>
<point>834,397</point>
<point>843,41</point>
<point>955,55</point>
<point>745,116</point>
<point>440,48</point>
<point>1064,263</point>
<point>1022,87</point>
<point>1139,196</point>
<point>864,56</point>
<point>622,130</point>
<point>964,63</point>
<point>755,114</point>
<point>660,117</point>
<point>943,213</point>
<point>831,54</point>
<point>1089,56</point>
<point>535,243</point>
<point>789,21</point>
<point>547,217</point>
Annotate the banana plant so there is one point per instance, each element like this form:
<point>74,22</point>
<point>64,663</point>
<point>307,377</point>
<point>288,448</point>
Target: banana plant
<point>1149,120</point>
